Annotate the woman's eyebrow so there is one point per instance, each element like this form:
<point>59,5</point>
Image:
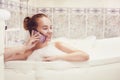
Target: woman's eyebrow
<point>45,26</point>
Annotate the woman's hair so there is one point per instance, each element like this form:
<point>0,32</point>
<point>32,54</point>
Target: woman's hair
<point>31,23</point>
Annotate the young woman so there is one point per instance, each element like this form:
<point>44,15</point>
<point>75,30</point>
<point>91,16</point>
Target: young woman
<point>39,48</point>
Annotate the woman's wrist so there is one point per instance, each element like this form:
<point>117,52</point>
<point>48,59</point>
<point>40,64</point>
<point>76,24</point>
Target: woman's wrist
<point>26,48</point>
<point>59,57</point>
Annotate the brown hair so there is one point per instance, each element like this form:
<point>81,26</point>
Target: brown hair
<point>31,23</point>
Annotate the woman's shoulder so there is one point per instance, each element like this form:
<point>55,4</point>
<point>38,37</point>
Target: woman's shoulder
<point>60,44</point>
<point>55,44</point>
<point>65,46</point>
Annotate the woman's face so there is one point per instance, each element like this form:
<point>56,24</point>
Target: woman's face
<point>45,27</point>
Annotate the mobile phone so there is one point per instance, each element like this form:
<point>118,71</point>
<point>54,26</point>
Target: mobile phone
<point>42,38</point>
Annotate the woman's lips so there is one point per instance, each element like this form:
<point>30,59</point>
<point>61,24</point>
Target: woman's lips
<point>48,38</point>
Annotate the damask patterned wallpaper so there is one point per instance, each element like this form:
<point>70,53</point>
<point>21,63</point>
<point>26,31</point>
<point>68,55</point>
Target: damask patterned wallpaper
<point>70,22</point>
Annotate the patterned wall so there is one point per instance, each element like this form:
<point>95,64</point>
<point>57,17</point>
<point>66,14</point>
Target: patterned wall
<point>70,22</point>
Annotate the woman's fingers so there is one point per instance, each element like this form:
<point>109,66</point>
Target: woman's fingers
<point>46,58</point>
<point>35,41</point>
<point>36,34</point>
<point>49,58</point>
<point>37,37</point>
<point>31,43</point>
<point>32,32</point>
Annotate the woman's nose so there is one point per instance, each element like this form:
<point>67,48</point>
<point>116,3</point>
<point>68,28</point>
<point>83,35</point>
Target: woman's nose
<point>50,31</point>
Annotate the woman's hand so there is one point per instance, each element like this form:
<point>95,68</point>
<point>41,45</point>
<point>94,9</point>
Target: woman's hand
<point>50,58</point>
<point>33,40</point>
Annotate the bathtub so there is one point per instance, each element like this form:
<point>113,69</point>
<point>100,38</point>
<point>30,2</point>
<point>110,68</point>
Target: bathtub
<point>104,64</point>
<point>4,15</point>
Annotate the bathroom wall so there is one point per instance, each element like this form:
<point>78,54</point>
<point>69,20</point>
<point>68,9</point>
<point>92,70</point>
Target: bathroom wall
<point>71,18</point>
<point>73,3</point>
<point>77,3</point>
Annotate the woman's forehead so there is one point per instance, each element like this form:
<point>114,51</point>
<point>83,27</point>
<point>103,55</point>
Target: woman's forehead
<point>44,20</point>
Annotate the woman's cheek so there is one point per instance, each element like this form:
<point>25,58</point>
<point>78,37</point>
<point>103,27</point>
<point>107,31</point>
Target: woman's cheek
<point>45,31</point>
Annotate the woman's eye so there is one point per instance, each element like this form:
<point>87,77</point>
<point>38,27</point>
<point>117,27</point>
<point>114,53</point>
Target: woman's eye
<point>45,28</point>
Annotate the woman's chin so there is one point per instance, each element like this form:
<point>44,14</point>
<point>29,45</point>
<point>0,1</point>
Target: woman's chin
<point>48,40</point>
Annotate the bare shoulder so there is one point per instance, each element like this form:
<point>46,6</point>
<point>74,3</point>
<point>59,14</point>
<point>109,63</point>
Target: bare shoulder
<point>65,47</point>
<point>59,44</point>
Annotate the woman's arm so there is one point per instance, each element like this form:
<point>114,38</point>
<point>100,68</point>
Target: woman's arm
<point>21,52</point>
<point>72,53</point>
<point>15,53</point>
<point>17,56</point>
